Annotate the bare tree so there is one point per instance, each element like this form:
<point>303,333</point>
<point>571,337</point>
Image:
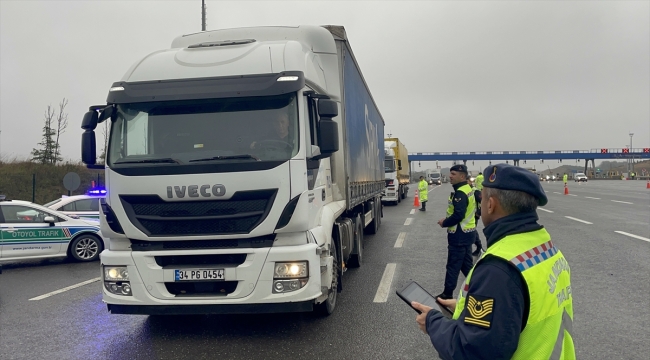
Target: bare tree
<point>61,125</point>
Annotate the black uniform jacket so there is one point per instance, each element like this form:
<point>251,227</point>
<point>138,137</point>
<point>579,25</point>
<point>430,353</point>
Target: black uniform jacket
<point>497,335</point>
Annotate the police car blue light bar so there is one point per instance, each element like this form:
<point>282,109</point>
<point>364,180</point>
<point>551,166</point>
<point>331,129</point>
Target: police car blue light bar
<point>96,192</point>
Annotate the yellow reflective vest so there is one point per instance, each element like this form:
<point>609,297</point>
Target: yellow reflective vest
<point>423,188</point>
<point>479,182</point>
<point>468,223</point>
<point>547,334</point>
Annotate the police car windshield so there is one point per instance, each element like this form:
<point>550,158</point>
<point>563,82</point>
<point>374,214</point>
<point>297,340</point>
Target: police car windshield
<point>263,128</point>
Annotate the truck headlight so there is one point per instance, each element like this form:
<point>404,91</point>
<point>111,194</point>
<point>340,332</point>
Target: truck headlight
<point>290,276</point>
<point>116,273</point>
<point>286,270</point>
<point>116,280</point>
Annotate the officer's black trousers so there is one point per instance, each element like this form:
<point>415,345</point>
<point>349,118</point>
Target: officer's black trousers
<point>459,258</point>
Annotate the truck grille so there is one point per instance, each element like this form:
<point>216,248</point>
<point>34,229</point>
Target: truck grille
<point>230,260</point>
<point>237,215</point>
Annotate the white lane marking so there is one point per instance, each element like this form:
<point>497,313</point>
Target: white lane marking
<point>412,212</point>
<point>408,221</point>
<point>384,285</point>
<point>572,195</point>
<point>632,235</point>
<point>548,211</point>
<point>575,219</point>
<point>65,289</point>
<point>400,239</point>
<point>623,202</point>
<point>555,192</point>
<point>589,197</point>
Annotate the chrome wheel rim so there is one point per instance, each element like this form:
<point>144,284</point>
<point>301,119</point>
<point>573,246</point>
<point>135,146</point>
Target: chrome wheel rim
<point>86,248</point>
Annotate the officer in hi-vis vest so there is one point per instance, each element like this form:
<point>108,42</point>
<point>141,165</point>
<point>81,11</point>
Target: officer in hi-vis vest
<point>516,302</point>
<point>461,229</point>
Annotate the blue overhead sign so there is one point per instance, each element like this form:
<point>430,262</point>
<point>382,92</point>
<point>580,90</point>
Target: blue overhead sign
<point>531,155</point>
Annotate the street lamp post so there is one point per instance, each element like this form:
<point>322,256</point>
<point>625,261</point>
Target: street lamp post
<point>632,159</point>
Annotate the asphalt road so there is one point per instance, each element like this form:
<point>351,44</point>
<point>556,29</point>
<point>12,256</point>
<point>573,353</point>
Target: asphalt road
<point>610,276</point>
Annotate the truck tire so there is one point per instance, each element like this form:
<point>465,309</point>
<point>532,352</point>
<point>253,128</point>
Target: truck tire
<point>327,307</point>
<point>355,259</point>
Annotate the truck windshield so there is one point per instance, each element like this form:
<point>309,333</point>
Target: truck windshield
<point>434,176</point>
<point>177,133</point>
<point>389,165</point>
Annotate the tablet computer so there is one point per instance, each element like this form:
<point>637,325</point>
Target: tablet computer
<point>414,292</point>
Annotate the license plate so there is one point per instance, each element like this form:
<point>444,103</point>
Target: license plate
<point>199,274</point>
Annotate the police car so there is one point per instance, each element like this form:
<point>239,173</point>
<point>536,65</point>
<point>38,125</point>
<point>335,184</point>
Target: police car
<point>30,231</point>
<point>82,206</point>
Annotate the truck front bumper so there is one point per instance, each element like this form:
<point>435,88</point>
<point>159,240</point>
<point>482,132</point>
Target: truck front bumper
<point>254,283</point>
<point>304,306</point>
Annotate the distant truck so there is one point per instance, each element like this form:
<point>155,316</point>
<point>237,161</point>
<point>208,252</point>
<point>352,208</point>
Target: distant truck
<point>396,169</point>
<point>434,177</point>
<point>243,168</point>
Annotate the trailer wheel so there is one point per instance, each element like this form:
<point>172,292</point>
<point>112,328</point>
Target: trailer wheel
<point>355,258</point>
<point>327,307</point>
<point>403,193</point>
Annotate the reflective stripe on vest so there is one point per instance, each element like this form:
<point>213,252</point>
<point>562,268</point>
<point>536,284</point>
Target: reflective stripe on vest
<point>547,276</point>
<point>468,224</point>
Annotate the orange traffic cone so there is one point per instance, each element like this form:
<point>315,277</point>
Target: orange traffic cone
<point>416,200</point>
<point>566,189</point>
<point>647,186</point>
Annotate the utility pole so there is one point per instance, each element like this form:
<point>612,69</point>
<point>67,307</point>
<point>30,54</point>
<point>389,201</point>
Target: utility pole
<point>203,24</point>
<point>631,151</point>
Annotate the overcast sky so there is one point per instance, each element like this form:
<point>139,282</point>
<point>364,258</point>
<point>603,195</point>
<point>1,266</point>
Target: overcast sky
<point>446,75</point>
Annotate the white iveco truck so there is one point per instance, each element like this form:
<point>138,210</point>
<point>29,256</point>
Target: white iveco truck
<point>243,168</point>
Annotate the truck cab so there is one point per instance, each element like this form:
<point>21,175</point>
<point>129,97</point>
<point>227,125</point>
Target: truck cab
<point>231,184</point>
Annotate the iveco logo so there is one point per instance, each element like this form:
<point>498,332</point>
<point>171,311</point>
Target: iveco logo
<point>196,191</point>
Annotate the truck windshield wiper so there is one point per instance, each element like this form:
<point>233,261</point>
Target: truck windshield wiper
<point>149,161</point>
<point>227,157</point>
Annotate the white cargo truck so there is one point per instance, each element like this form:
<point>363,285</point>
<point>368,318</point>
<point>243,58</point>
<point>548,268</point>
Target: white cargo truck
<point>243,168</point>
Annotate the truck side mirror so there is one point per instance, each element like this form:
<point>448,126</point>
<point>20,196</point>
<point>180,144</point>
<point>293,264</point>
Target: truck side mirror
<point>88,148</point>
<point>327,108</point>
<point>90,120</point>
<point>328,136</point>
<point>328,129</point>
<point>399,164</point>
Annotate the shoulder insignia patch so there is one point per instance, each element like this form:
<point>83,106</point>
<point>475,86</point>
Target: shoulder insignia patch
<point>456,199</point>
<point>479,311</point>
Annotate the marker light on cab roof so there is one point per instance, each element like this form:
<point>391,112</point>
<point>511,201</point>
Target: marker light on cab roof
<point>117,88</point>
<point>288,78</point>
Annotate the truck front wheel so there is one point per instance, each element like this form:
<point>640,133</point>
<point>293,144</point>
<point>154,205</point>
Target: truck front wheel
<point>327,307</point>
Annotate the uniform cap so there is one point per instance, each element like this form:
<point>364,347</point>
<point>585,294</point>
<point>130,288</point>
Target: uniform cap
<point>508,177</point>
<point>459,168</point>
